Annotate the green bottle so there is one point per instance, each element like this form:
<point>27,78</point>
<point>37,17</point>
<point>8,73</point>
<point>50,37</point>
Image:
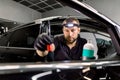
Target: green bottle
<point>88,51</point>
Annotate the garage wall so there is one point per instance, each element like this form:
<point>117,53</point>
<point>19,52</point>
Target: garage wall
<point>65,11</point>
<point>13,11</point>
<point>108,7</point>
<point>16,12</point>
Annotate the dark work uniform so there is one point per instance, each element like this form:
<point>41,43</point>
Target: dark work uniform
<point>63,52</point>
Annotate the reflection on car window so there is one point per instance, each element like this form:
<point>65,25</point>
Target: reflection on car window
<point>101,41</point>
<point>100,38</point>
<point>105,46</point>
<point>24,37</point>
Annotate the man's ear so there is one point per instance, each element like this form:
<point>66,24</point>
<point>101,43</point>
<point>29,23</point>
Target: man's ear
<point>79,29</point>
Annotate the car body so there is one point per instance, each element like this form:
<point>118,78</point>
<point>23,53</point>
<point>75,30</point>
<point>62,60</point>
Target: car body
<point>19,58</point>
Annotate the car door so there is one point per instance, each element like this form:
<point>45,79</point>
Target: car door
<point>18,44</point>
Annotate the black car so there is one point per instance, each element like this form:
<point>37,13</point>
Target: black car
<point>19,59</point>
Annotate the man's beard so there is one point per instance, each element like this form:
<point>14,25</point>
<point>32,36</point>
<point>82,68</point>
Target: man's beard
<point>70,42</point>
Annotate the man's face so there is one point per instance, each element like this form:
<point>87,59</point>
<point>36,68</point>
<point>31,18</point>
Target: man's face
<point>71,33</point>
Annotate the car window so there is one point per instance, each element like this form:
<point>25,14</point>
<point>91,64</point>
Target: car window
<point>103,46</point>
<point>56,29</point>
<point>96,32</point>
<point>24,37</point>
<point>4,39</point>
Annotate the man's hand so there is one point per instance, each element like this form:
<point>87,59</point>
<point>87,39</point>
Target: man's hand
<point>42,41</point>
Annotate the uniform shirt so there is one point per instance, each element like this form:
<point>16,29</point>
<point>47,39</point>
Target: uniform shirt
<point>63,52</point>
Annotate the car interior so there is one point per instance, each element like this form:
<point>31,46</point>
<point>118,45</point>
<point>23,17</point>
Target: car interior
<point>103,46</point>
<point>23,43</point>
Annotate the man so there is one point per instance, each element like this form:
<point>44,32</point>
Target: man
<point>68,46</point>
<point>65,47</point>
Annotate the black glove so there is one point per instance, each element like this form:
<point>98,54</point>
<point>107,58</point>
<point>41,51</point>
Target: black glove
<point>42,41</point>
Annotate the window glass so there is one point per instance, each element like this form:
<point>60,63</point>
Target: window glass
<point>103,46</point>
<point>24,37</point>
<point>96,32</point>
